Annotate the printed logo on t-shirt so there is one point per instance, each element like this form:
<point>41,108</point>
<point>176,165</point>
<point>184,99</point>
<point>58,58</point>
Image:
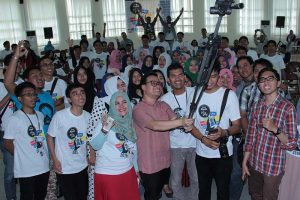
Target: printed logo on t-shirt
<point>76,139</point>
<point>209,120</point>
<point>37,139</point>
<point>125,146</point>
<point>179,114</point>
<point>100,63</point>
<point>204,110</point>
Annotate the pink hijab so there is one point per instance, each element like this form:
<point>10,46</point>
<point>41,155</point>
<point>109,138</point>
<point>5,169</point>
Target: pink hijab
<point>228,73</point>
<point>113,63</point>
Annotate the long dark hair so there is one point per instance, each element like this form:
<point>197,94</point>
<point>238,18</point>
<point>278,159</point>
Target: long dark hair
<point>88,87</point>
<point>165,82</point>
<point>132,88</point>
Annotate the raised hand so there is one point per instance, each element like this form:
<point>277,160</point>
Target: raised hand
<point>69,42</point>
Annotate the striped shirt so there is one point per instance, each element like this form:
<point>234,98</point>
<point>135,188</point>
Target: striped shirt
<point>267,152</point>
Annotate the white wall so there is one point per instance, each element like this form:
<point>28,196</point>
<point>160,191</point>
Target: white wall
<point>198,22</point>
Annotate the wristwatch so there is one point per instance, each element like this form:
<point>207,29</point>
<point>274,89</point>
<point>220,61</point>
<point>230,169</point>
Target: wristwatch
<point>277,132</point>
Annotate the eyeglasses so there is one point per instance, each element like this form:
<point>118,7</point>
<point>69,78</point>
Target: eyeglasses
<point>268,79</point>
<point>155,83</point>
<point>29,95</point>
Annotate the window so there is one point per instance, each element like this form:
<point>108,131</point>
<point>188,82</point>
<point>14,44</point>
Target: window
<point>11,27</point>
<point>40,14</point>
<point>80,18</point>
<point>185,23</point>
<point>211,20</point>
<point>289,9</point>
<point>251,16</point>
<point>115,17</point>
<point>149,9</point>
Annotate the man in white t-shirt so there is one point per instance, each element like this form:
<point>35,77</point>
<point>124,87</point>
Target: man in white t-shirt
<point>243,41</point>
<point>25,139</point>
<point>182,144</point>
<point>275,58</point>
<point>161,42</point>
<point>181,45</point>
<point>68,153</point>
<point>99,63</point>
<point>204,39</point>
<point>56,88</point>
<point>214,133</point>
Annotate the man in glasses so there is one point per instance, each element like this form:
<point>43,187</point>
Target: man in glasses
<point>25,139</point>
<point>272,130</point>
<point>54,85</point>
<point>153,119</point>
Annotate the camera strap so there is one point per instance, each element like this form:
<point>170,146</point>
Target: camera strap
<point>224,101</point>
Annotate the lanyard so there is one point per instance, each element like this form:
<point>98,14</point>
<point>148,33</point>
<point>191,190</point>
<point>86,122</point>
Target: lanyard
<point>177,100</point>
<point>31,121</point>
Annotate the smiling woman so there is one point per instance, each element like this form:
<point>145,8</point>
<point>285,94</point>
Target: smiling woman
<point>116,167</point>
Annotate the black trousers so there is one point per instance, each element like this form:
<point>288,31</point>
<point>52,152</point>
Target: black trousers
<point>34,188</point>
<point>213,168</point>
<point>74,186</point>
<point>153,183</point>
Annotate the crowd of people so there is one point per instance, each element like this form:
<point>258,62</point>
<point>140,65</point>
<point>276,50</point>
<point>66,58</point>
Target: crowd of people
<point>109,123</point>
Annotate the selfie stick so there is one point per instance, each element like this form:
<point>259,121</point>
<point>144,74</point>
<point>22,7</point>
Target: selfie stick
<point>222,7</point>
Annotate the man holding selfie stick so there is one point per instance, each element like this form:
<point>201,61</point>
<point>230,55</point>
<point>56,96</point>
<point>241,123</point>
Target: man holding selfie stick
<point>214,136</point>
<point>153,119</point>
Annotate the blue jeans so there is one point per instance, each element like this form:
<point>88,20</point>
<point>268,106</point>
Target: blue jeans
<point>9,180</point>
<point>236,183</point>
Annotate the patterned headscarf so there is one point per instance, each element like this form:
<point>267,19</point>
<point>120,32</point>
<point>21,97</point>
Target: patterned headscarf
<point>123,125</point>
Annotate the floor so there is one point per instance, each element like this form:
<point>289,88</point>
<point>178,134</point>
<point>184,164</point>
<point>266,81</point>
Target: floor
<point>245,195</point>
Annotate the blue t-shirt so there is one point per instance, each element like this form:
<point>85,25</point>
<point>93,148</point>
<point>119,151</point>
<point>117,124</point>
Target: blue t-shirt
<point>44,104</point>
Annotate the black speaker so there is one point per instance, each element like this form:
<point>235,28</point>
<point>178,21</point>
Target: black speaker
<point>48,32</point>
<point>280,21</point>
<point>30,33</point>
<point>265,22</point>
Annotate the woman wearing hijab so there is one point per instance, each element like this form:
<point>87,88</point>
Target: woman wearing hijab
<point>164,61</point>
<point>141,57</point>
<point>226,79</point>
<point>147,64</point>
<point>127,60</point>
<point>84,77</point>
<point>191,68</point>
<point>116,166</point>
<point>100,108</point>
<point>157,50</point>
<point>115,60</point>
<point>112,85</point>
<point>134,90</point>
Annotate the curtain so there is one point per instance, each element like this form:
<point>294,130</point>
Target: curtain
<point>79,18</point>
<point>114,16</point>
<point>185,24</point>
<point>251,16</point>
<point>11,22</point>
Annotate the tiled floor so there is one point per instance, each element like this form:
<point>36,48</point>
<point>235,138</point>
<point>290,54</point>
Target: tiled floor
<point>245,195</point>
